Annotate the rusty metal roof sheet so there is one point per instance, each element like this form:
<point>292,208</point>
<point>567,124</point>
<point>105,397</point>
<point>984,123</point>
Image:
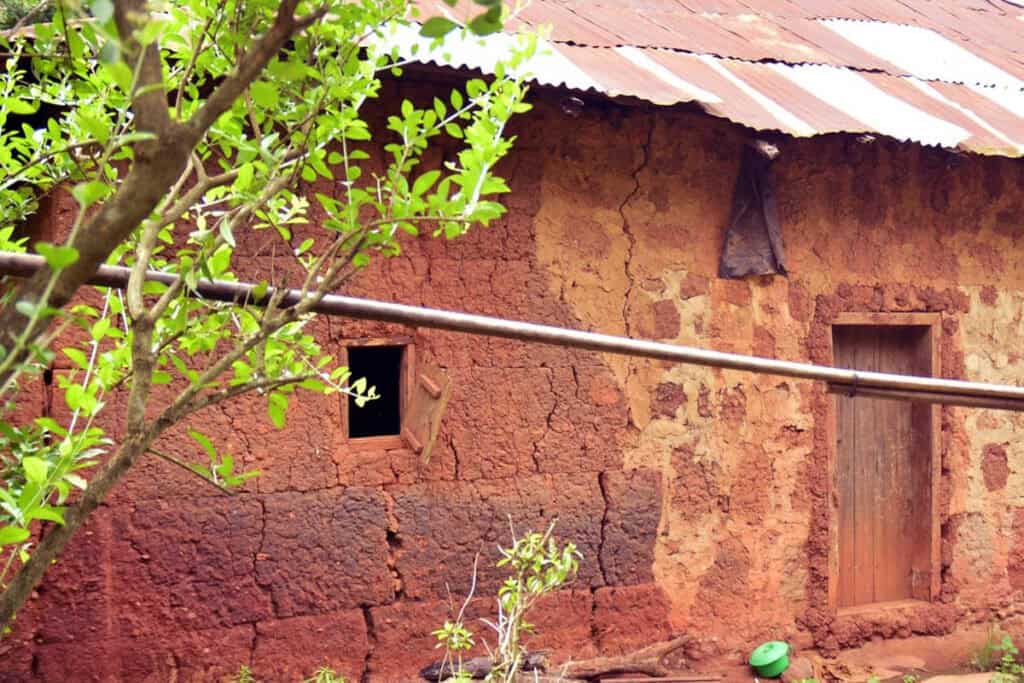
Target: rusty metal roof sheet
<point>937,72</point>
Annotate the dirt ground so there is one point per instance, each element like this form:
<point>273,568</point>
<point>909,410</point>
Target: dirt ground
<point>924,657</point>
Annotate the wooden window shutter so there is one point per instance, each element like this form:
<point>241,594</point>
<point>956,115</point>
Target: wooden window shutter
<point>427,400</point>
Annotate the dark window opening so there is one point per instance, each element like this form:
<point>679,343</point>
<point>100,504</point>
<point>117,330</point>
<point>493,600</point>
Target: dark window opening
<point>382,368</point>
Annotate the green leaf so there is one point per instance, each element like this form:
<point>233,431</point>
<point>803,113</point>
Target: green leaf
<point>110,52</point>
<point>245,175</point>
<point>35,468</point>
<point>425,182</point>
<point>205,442</point>
<point>76,481</point>
<point>313,384</point>
<point>277,405</point>
<point>102,10</point>
<point>487,23</point>
<point>99,329</point>
<point>95,126</point>
<point>437,27</point>
<point>78,357</point>
<point>57,257</point>
<point>152,30</point>
<point>51,425</point>
<point>264,94</point>
<point>48,513</point>
<point>259,292</point>
<point>220,261</point>
<point>20,107</point>
<point>10,535</point>
<point>90,192</point>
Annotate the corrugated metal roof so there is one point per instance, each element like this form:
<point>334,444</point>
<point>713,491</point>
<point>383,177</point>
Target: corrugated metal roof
<point>937,72</point>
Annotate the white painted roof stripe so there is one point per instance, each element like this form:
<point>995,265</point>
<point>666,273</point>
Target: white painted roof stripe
<point>1009,99</point>
<point>547,66</point>
<point>921,52</point>
<point>827,87</point>
<point>793,123</point>
<point>688,90</point>
<point>857,97</point>
<point>982,123</point>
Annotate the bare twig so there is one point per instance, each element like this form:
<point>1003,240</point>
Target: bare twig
<point>183,465</point>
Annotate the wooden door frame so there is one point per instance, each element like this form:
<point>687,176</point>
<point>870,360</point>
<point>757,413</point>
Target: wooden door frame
<point>932,321</point>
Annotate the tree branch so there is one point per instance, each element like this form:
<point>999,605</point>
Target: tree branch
<point>149,101</point>
<point>252,63</point>
<point>211,399</point>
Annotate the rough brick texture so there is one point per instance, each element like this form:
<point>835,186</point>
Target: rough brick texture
<point>292,649</point>
<point>325,551</point>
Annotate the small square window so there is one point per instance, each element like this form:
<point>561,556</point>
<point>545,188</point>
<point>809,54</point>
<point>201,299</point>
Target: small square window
<point>382,366</point>
<point>412,397</point>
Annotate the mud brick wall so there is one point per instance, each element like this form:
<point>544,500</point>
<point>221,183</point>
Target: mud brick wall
<point>699,498</point>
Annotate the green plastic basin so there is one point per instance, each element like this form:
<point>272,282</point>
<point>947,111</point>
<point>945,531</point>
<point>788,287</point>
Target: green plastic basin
<point>770,659</point>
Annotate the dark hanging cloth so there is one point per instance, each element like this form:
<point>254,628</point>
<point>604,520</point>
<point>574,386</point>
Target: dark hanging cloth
<point>753,241</point>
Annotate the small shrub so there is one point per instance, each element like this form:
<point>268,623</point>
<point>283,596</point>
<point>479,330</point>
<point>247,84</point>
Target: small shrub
<point>244,675</point>
<point>984,657</point>
<point>1008,669</point>
<point>998,654</point>
<point>322,675</point>
<point>325,675</point>
<point>538,565</point>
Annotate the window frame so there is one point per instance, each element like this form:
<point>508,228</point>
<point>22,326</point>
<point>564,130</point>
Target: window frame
<point>406,376</point>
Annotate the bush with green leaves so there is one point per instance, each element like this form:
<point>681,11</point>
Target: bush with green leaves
<point>182,129</point>
<point>538,565</point>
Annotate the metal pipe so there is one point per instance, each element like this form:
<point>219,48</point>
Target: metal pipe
<point>956,392</point>
<point>928,397</point>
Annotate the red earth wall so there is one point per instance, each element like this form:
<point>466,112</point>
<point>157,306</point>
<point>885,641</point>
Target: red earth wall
<point>699,498</point>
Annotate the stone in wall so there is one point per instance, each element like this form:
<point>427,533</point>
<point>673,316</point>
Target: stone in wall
<point>630,527</point>
<point>628,618</point>
<point>442,526</point>
<point>186,565</point>
<point>324,551</point>
<point>293,649</point>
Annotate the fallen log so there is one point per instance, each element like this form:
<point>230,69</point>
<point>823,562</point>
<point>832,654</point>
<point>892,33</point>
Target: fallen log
<point>649,661</point>
<point>477,667</point>
<point>689,678</point>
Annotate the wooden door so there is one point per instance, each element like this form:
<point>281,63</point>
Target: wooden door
<point>883,471</point>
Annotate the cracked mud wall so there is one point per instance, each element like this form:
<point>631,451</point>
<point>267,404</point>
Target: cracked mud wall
<point>700,498</point>
<point>633,210</point>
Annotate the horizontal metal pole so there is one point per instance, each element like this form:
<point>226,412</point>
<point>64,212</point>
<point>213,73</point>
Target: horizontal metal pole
<point>930,389</point>
<point>927,397</point>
